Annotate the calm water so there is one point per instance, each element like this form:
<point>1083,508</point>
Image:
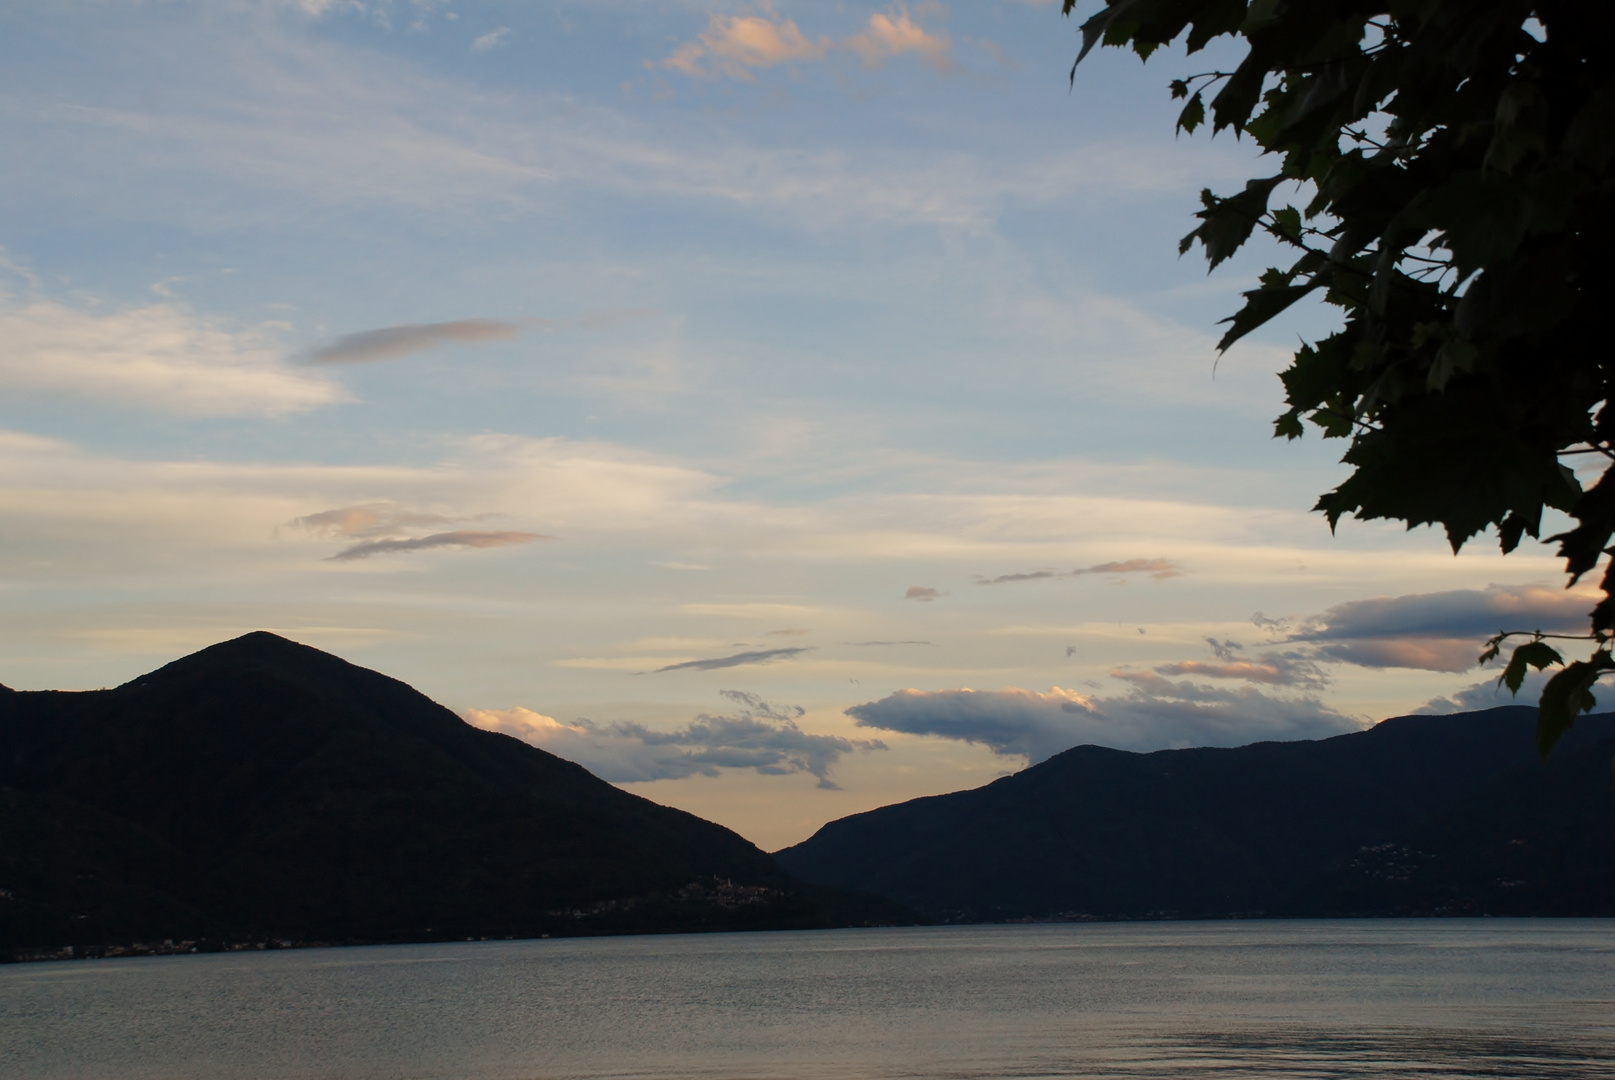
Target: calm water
<point>1450,999</point>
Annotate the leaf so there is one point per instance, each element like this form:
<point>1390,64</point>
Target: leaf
<point>1583,546</point>
<point>1238,97</point>
<point>1453,459</point>
<point>1454,356</point>
<point>1261,305</point>
<point>1567,695</point>
<point>1538,654</point>
<point>1322,91</point>
<point>1214,19</point>
<point>1227,223</point>
<point>1262,14</point>
<point>1590,140</point>
<point>1193,114</point>
<point>1288,221</point>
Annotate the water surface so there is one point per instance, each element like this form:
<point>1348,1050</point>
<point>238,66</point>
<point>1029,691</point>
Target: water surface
<point>1382,998</point>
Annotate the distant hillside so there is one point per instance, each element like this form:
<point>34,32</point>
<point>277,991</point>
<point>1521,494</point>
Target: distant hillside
<point>261,789</point>
<point>1418,815</point>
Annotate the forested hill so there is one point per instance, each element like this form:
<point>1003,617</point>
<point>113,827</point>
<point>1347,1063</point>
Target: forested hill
<point>1417,815</point>
<point>263,790</point>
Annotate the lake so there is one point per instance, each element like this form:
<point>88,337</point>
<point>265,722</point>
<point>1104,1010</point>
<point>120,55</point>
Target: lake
<point>1371,998</point>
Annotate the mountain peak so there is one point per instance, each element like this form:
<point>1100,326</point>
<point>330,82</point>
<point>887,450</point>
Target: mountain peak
<point>257,647</point>
<point>261,788</point>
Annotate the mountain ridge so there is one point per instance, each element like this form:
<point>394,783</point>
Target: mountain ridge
<point>1269,828</point>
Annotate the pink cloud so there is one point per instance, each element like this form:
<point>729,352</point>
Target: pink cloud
<point>1249,670</point>
<point>1427,654</point>
<point>893,35</point>
<point>734,43</point>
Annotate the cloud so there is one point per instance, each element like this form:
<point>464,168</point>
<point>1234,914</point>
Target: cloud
<point>732,44</point>
<point>392,342</point>
<point>896,34</point>
<point>159,357</point>
<point>1487,695</point>
<point>923,593</point>
<point>1030,575</point>
<point>1157,714</point>
<point>366,520</point>
<point>1292,668</point>
<point>319,8</point>
<point>1276,672</point>
<point>1437,631</point>
<point>1159,569</point>
<point>863,644</point>
<point>735,45</point>
<point>276,123</point>
<point>491,40</point>
<point>758,736</point>
<point>376,525</point>
<point>762,656</point>
<point>461,538</point>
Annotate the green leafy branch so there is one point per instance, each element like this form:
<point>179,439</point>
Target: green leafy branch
<point>1568,693</point>
<point>1460,159</point>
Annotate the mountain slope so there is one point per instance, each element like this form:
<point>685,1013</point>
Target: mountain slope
<point>261,788</point>
<point>1269,828</point>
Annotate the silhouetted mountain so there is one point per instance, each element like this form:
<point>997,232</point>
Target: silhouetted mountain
<point>1418,815</point>
<point>262,789</point>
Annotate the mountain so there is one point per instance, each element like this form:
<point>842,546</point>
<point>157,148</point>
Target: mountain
<point>261,789</point>
<point>1417,815</point>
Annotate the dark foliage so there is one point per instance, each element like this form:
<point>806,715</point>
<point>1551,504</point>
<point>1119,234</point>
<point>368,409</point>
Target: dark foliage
<point>1456,162</point>
<point>263,790</point>
<point>1419,815</point>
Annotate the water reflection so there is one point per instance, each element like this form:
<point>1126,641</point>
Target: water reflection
<point>1381,999</point>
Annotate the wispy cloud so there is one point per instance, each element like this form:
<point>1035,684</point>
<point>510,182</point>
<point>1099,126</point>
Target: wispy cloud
<point>457,539</point>
<point>923,593</point>
<point>736,45</point>
<point>1029,575</point>
<point>393,342</point>
<point>866,644</point>
<point>491,40</point>
<point>755,735</point>
<point>294,123</point>
<point>761,656</point>
<point>367,520</point>
<point>1158,569</point>
<point>377,526</point>
<point>159,357</point>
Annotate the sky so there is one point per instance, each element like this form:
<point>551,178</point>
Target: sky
<point>783,409</point>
